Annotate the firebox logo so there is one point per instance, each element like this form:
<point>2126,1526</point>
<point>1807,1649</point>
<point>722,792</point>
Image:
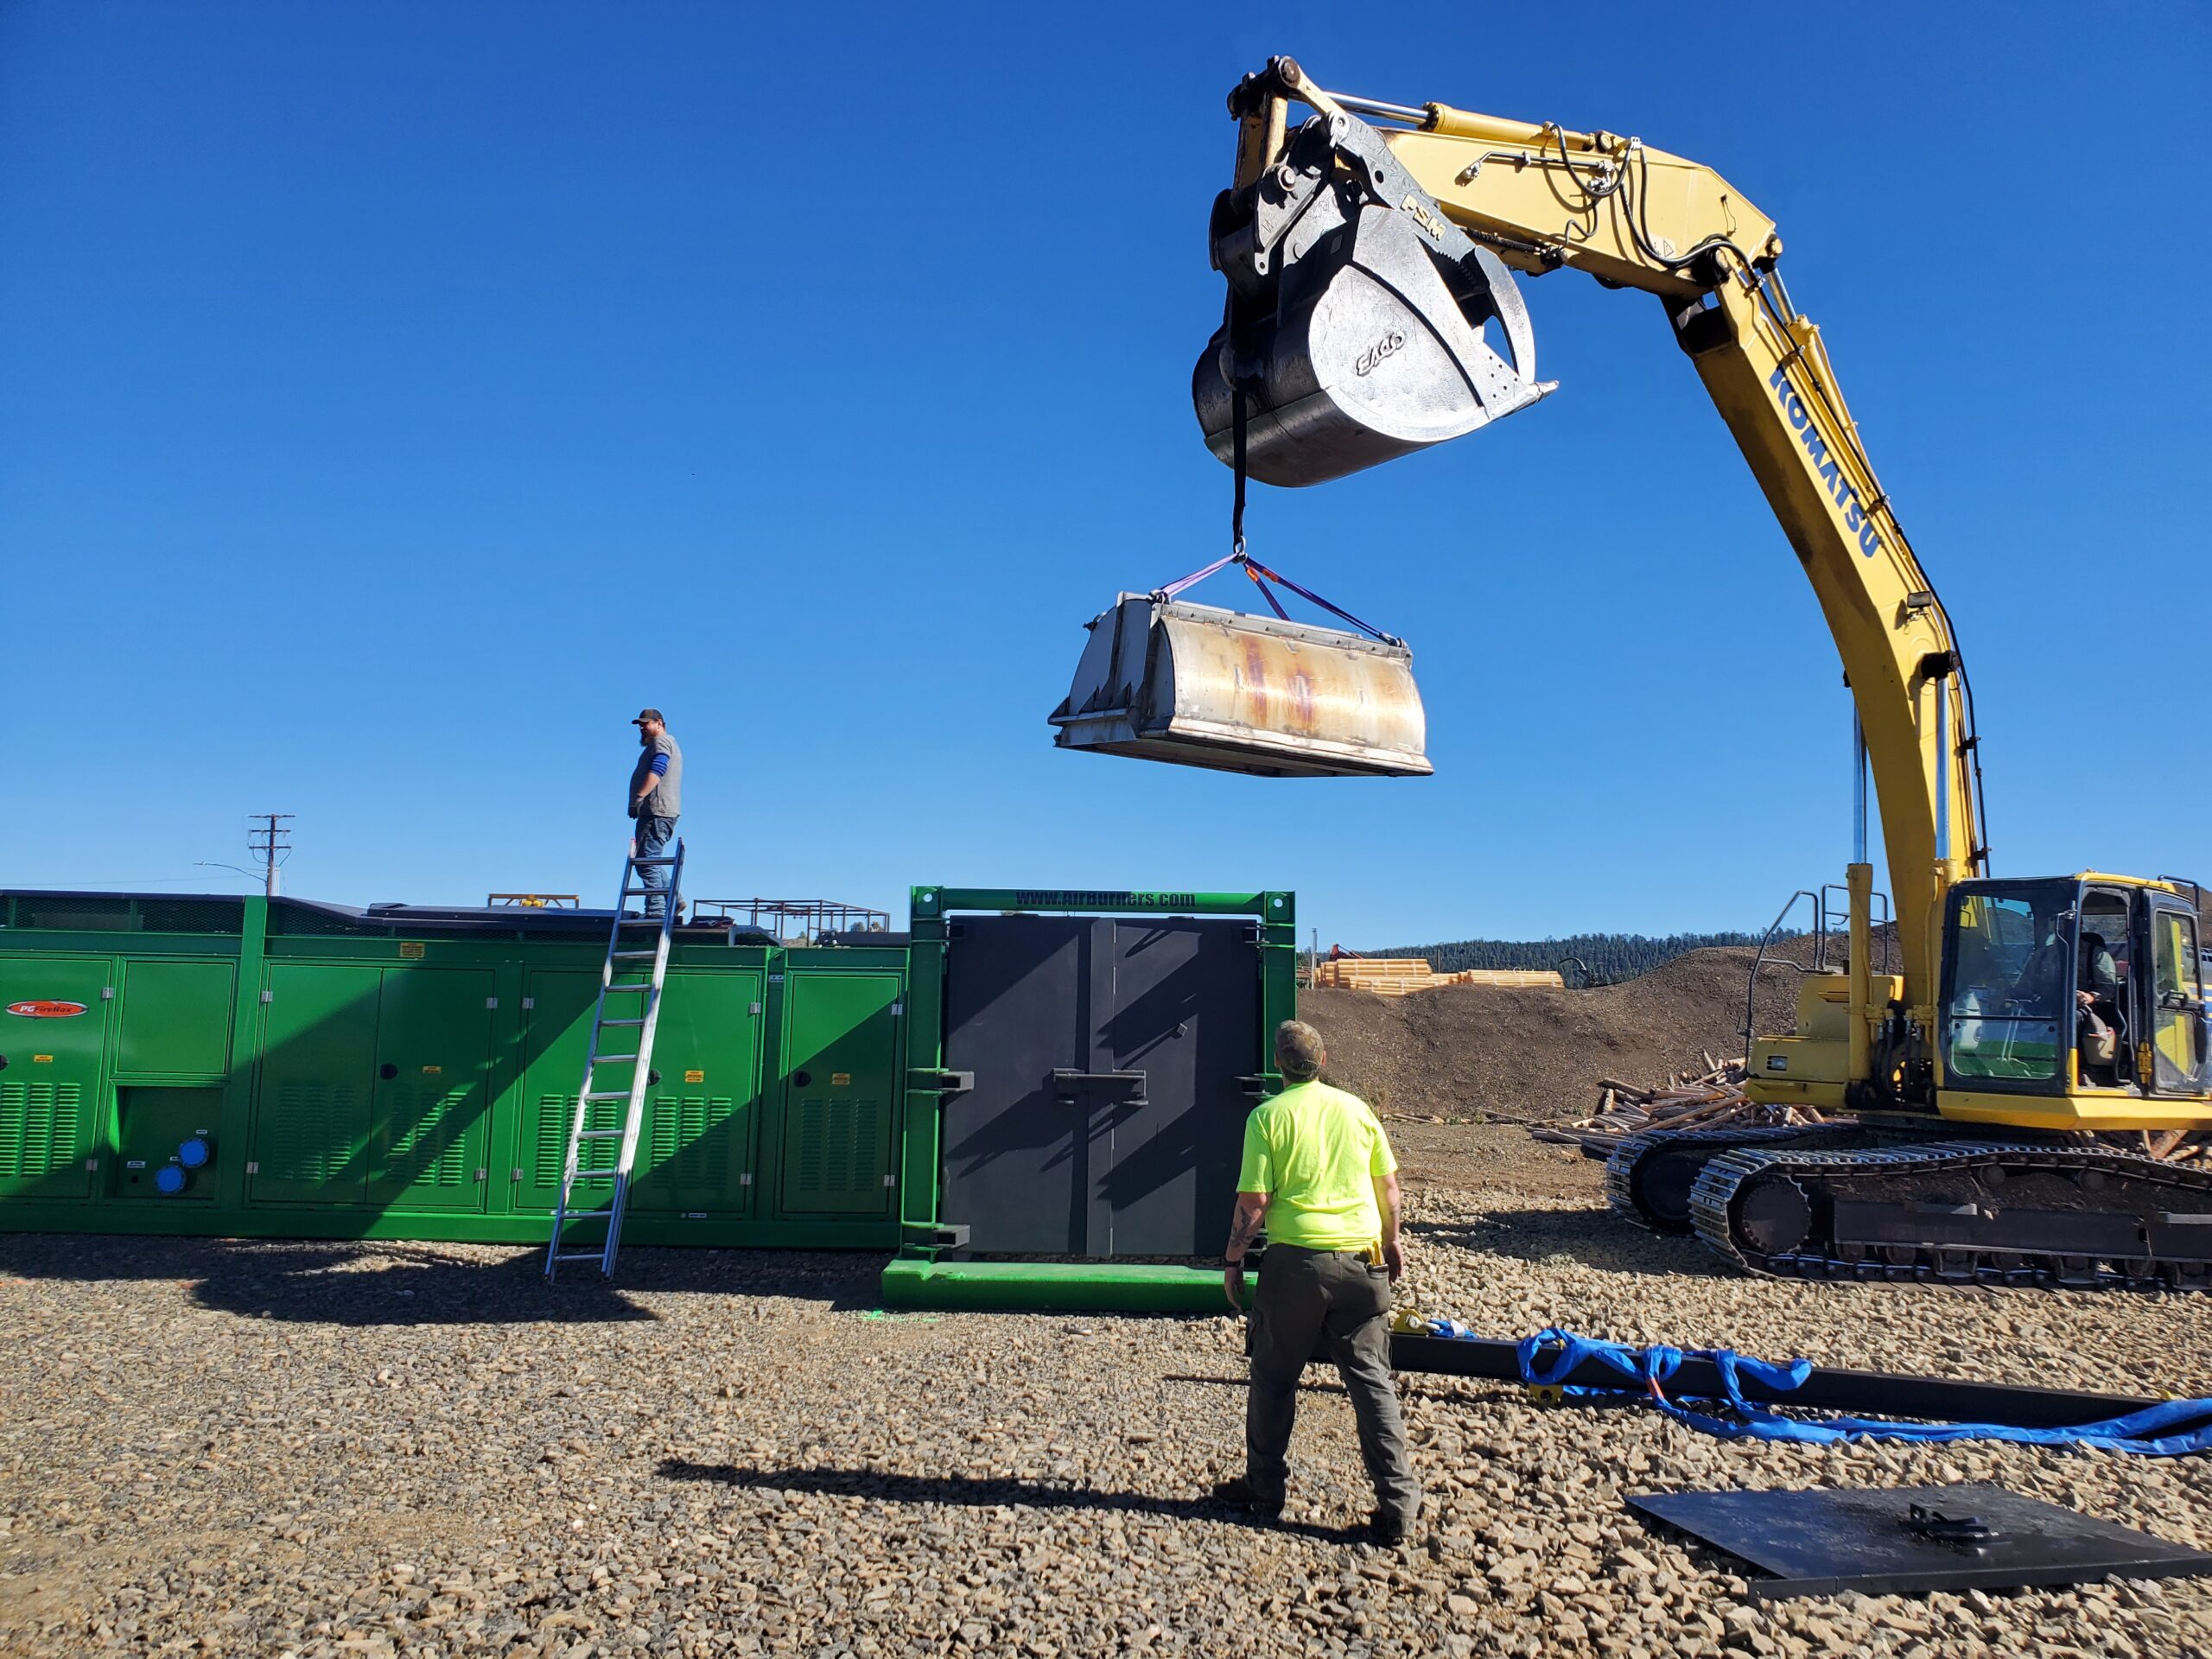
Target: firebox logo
<point>42,1009</point>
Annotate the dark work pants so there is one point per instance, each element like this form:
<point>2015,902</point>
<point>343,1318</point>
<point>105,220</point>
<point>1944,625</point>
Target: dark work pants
<point>1303,1296</point>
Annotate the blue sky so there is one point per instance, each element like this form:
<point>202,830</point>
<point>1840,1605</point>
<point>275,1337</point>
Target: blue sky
<point>393,397</point>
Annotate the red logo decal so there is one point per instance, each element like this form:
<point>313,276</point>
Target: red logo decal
<point>45,1010</point>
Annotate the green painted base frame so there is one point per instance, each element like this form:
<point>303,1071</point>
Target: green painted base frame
<point>206,1221</point>
<point>1053,1287</point>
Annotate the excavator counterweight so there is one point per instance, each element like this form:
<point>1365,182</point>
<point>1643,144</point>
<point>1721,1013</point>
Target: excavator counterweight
<point>1356,325</point>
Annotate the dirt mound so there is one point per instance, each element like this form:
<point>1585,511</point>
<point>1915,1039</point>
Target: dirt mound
<point>1463,1048</point>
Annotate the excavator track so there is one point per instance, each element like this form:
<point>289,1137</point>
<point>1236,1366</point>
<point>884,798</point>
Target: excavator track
<point>2053,1214</point>
<point>1632,1167</point>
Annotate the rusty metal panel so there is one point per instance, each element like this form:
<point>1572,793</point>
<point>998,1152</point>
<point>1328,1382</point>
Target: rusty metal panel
<point>1197,685</point>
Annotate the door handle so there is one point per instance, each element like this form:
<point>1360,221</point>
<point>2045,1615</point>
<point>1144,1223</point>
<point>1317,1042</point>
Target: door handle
<point>1130,1085</point>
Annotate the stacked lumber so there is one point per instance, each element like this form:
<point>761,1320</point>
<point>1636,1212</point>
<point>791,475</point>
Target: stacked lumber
<point>1711,1099</point>
<point>1401,976</point>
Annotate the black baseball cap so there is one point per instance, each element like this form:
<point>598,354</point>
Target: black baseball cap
<point>644,714</point>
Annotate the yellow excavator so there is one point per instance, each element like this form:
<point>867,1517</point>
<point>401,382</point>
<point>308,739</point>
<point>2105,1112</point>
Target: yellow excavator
<point>1370,251</point>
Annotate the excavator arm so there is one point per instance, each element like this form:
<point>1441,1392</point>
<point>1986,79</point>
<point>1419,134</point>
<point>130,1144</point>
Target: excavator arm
<point>1336,353</point>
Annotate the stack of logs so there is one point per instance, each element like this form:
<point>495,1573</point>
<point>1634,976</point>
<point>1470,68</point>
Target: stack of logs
<point>1714,1099</point>
<point>1711,1099</point>
<point>1401,975</point>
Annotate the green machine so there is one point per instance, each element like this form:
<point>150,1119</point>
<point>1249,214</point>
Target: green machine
<point>1035,1100</point>
<point>277,1067</point>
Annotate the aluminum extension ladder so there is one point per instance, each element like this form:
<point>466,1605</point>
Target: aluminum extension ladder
<point>618,981</point>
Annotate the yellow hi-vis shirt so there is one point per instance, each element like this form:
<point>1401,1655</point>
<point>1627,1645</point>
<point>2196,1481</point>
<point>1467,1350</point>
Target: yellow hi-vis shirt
<point>1317,1153</point>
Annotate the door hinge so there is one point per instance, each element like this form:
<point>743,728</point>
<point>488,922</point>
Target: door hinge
<point>253,1168</point>
<point>530,1003</point>
<point>898,1008</point>
<point>483,1174</point>
<point>516,1176</point>
<point>746,1179</point>
<point>491,1001</point>
<point>891,1180</point>
<point>753,1008</point>
<point>91,1165</point>
<point>269,996</point>
<point>107,993</point>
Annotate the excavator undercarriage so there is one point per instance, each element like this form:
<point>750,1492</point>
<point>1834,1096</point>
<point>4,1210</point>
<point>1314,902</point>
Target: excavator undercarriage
<point>1896,1199</point>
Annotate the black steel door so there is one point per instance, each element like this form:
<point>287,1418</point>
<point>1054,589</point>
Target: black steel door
<point>1110,1060</point>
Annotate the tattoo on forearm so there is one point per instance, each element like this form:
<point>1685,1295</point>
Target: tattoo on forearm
<point>1244,1228</point>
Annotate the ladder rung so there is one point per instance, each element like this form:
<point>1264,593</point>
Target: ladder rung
<point>649,863</point>
<point>582,1255</point>
<point>602,1135</point>
<point>607,1094</point>
<point>628,955</point>
<point>621,1022</point>
<point>585,1215</point>
<point>647,986</point>
<point>595,1174</point>
<point>611,1059</point>
<point>639,921</point>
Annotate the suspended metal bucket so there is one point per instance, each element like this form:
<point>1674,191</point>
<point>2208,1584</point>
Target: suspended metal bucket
<point>1356,317</point>
<point>1198,686</point>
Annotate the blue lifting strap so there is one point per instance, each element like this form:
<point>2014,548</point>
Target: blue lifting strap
<point>2171,1428</point>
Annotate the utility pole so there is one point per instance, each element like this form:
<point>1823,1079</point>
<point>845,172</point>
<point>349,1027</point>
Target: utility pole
<point>269,838</point>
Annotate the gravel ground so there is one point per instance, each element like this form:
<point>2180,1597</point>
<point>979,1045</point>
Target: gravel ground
<point>340,1449</point>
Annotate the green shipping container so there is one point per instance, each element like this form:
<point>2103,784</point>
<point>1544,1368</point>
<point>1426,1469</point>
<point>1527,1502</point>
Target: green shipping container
<point>284,1068</point>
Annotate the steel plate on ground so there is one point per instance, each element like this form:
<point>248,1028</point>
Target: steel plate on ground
<point>1825,1541</point>
<point>1199,686</point>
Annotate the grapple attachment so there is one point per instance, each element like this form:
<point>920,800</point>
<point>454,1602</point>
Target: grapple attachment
<point>1357,318</point>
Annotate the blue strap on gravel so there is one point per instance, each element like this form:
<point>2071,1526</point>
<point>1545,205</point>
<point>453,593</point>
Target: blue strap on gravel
<point>2169,1429</point>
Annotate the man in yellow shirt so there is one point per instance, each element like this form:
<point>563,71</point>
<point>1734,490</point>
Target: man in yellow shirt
<point>1320,1175</point>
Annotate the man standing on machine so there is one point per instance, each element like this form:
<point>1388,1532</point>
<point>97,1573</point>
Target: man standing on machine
<point>655,796</point>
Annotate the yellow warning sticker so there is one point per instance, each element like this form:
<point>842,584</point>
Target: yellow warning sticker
<point>411,949</point>
<point>41,1059</point>
<point>432,1069</point>
<point>840,1079</point>
<point>695,1077</point>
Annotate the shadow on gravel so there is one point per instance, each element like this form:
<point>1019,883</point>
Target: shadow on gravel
<point>968,1491</point>
<point>1594,1238</point>
<point>372,1284</point>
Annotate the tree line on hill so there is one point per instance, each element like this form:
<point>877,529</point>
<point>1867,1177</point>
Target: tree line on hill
<point>1605,958</point>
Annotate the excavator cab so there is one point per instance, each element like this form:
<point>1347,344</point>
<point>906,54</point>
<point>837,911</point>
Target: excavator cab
<point>1360,322</point>
<point>2087,989</point>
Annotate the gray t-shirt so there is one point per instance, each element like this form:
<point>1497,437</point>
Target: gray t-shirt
<point>666,800</point>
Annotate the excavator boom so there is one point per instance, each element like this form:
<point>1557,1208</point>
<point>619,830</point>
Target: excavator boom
<point>1367,273</point>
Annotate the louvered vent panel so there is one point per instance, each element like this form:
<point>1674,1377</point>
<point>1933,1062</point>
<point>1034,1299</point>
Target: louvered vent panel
<point>313,1137</point>
<point>38,1122</point>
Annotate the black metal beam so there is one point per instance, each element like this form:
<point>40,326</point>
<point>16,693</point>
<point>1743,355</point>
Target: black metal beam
<point>1878,1394</point>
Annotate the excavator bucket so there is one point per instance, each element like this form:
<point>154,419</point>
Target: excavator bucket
<point>1359,318</point>
<point>1162,680</point>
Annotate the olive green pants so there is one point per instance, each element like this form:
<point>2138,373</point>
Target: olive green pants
<point>1303,1297</point>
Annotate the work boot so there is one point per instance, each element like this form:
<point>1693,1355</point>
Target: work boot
<point>1387,1531</point>
<point>1240,1493</point>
